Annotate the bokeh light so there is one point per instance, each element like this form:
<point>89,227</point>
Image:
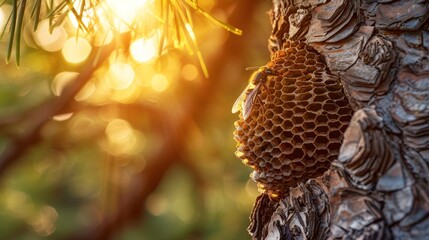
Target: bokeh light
<point>62,117</point>
<point>119,131</point>
<point>44,222</point>
<point>5,11</point>
<point>189,72</point>
<point>157,204</point>
<point>76,50</point>
<point>124,12</point>
<point>159,83</point>
<point>50,41</point>
<point>61,81</point>
<point>122,139</point>
<point>144,49</point>
<point>121,76</point>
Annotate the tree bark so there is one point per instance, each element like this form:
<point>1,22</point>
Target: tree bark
<point>377,188</point>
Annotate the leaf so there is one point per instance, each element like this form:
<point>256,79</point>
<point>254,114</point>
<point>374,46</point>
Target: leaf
<point>36,13</point>
<point>216,21</point>
<point>77,16</point>
<point>187,27</point>
<point>52,11</point>
<point>19,30</point>
<point>12,30</point>
<point>59,20</point>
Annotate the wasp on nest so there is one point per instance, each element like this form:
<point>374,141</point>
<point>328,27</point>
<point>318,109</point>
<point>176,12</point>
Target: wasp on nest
<point>292,121</point>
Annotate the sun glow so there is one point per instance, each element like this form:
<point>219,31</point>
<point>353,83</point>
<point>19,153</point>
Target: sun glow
<point>121,76</point>
<point>5,11</point>
<point>159,83</point>
<point>144,50</point>
<point>76,50</point>
<point>124,12</point>
<point>50,41</point>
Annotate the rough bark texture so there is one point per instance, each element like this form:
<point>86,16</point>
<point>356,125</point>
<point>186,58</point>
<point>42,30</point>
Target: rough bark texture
<point>377,188</point>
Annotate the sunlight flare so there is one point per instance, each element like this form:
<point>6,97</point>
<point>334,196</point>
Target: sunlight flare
<point>50,41</point>
<point>121,76</point>
<point>144,50</point>
<point>76,50</point>
<point>124,12</point>
<point>159,83</point>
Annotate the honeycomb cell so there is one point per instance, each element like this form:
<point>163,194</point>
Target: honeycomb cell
<point>309,148</point>
<point>277,120</point>
<point>321,119</point>
<point>268,124</point>
<point>278,110</point>
<point>288,89</point>
<point>299,110</point>
<point>334,145</point>
<point>297,120</point>
<point>319,90</point>
<point>267,135</point>
<point>310,62</point>
<point>286,135</point>
<point>309,125</point>
<point>304,96</point>
<point>334,125</point>
<point>287,113</point>
<point>321,141</point>
<point>321,130</point>
<point>344,111</point>
<point>297,140</point>
<point>330,107</point>
<point>335,95</point>
<point>287,97</point>
<point>309,136</point>
<point>297,123</point>
<point>277,130</point>
<point>320,98</point>
<point>297,130</point>
<point>309,116</point>
<point>300,60</point>
<point>277,101</point>
<point>278,86</point>
<point>322,153</point>
<point>335,134</point>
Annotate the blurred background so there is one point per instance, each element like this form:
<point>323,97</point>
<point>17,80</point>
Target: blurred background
<point>141,150</point>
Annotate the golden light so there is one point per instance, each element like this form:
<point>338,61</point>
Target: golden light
<point>144,49</point>
<point>50,41</point>
<point>85,92</point>
<point>61,81</point>
<point>62,117</point>
<point>189,72</point>
<point>5,11</point>
<point>44,223</point>
<point>102,38</point>
<point>124,12</point>
<point>83,125</point>
<point>76,50</point>
<point>88,17</point>
<point>119,131</point>
<point>157,204</point>
<point>18,204</point>
<point>159,83</point>
<point>121,76</point>
<point>122,138</point>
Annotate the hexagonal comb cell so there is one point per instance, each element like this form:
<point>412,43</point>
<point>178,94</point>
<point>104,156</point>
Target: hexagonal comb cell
<point>296,126</point>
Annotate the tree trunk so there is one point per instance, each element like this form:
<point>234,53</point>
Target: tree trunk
<point>377,186</point>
